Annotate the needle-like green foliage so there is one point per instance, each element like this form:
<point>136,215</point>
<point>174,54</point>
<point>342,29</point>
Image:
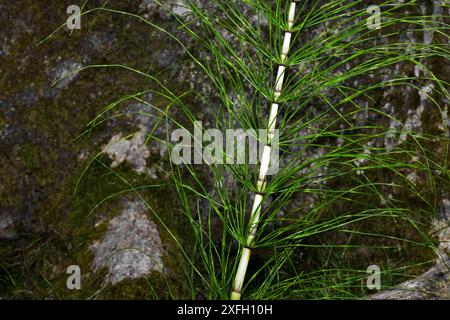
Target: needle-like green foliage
<point>337,174</point>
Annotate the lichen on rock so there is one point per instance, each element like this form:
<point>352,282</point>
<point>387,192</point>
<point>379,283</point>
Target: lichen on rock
<point>133,151</point>
<point>131,246</point>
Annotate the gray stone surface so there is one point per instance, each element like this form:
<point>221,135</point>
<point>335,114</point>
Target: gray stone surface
<point>432,285</point>
<point>62,75</point>
<point>6,225</point>
<point>435,283</point>
<point>177,7</point>
<point>131,247</point>
<point>38,124</point>
<point>135,150</point>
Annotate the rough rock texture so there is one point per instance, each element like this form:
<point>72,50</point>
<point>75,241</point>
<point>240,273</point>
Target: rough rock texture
<point>131,247</point>
<point>44,227</point>
<point>136,150</point>
<point>178,7</point>
<point>433,284</point>
<point>6,226</point>
<point>133,151</point>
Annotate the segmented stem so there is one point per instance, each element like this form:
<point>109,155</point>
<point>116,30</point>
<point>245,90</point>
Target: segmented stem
<point>264,166</point>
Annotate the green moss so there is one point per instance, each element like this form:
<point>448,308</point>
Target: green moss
<point>153,287</point>
<point>63,229</point>
<point>60,229</point>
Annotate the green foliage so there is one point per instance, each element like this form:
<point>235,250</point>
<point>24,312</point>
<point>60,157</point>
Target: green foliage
<point>332,144</point>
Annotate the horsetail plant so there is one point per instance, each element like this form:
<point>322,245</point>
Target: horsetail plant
<point>264,166</point>
<point>349,153</point>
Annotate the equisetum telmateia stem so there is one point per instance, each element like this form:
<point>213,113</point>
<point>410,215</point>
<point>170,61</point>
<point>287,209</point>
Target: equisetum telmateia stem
<point>264,166</point>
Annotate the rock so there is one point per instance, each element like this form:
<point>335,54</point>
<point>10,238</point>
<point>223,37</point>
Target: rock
<point>432,285</point>
<point>100,41</point>
<point>131,247</point>
<point>135,150</point>
<point>38,124</point>
<point>27,97</point>
<point>6,226</point>
<point>443,234</point>
<point>178,7</point>
<point>61,76</point>
<point>167,57</point>
<point>435,283</point>
<point>65,72</point>
<point>441,227</point>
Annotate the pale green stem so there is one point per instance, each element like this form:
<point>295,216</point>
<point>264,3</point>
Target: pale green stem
<point>257,202</point>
